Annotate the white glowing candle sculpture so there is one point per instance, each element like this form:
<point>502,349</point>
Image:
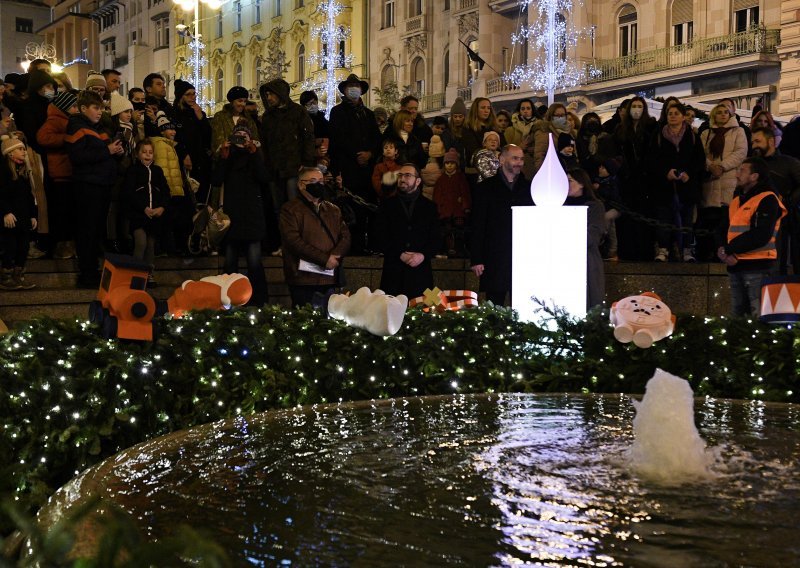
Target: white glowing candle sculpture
<point>549,247</point>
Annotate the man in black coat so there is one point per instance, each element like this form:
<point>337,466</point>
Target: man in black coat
<point>408,224</point>
<point>354,144</point>
<point>491,224</point>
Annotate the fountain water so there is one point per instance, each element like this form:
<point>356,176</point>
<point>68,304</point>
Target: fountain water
<point>668,448</point>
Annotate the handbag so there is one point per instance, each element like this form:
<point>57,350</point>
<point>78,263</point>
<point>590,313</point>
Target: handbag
<point>209,226</point>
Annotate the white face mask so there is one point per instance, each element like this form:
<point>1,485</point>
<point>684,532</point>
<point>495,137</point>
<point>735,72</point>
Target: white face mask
<point>560,122</point>
<point>312,109</point>
<point>353,93</point>
<point>636,113</point>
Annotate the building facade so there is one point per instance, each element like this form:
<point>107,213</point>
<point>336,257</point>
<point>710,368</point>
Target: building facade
<point>20,22</point>
<point>73,33</point>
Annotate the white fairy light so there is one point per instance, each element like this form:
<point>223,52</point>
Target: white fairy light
<point>331,35</point>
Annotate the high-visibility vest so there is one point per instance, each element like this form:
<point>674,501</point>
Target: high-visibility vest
<point>740,217</point>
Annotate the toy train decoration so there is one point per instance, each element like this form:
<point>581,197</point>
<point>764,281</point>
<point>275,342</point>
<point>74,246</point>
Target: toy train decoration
<point>123,308</point>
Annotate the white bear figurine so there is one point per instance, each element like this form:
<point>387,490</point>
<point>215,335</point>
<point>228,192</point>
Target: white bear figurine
<point>374,312</point>
<point>642,319</point>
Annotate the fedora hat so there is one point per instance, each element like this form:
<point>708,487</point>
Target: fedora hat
<point>353,78</point>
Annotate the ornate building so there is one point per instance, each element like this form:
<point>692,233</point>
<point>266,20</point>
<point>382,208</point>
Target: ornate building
<point>20,22</point>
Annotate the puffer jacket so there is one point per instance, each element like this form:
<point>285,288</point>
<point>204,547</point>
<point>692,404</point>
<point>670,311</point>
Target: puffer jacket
<point>519,131</point>
<point>166,158</point>
<point>87,147</point>
<point>287,133</point>
<point>52,137</point>
<point>222,127</point>
<point>719,192</point>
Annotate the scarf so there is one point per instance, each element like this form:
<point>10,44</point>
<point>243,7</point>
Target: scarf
<point>716,142</point>
<point>676,138</point>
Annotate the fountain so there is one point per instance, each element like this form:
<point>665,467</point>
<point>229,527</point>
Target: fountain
<point>475,480</point>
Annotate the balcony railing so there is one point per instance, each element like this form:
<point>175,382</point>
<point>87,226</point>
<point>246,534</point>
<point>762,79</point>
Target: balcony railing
<point>466,4</point>
<point>432,102</point>
<point>465,93</point>
<point>415,24</point>
<point>757,40</point>
<point>500,85</point>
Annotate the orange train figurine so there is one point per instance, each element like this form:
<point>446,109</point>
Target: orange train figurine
<point>123,308</point>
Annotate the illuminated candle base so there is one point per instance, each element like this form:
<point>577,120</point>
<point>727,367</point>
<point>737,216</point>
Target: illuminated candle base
<point>549,260</point>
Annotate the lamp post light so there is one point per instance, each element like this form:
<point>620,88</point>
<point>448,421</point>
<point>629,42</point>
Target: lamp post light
<point>197,60</point>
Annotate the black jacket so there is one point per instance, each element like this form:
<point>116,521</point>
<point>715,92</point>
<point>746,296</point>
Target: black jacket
<point>16,197</point>
<point>353,130</point>
<point>491,228</point>
<point>287,133</point>
<point>401,232</point>
<point>144,187</point>
<point>193,136</point>
<point>688,157</point>
<point>243,175</point>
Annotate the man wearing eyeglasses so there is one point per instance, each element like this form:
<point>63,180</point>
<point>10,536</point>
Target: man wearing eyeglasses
<point>409,236</point>
<point>314,237</point>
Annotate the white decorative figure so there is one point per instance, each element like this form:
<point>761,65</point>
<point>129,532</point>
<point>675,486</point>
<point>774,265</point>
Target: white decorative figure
<point>374,312</point>
<point>643,319</point>
<point>549,187</point>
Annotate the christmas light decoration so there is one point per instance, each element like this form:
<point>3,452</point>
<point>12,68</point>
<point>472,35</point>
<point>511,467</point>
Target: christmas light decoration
<point>331,35</point>
<point>197,61</point>
<point>551,39</point>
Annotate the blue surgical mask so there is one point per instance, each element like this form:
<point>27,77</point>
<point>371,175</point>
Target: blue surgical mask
<point>353,93</point>
<point>312,108</point>
<point>560,122</point>
<point>49,95</point>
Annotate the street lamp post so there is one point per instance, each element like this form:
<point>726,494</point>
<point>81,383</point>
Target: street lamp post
<point>197,60</point>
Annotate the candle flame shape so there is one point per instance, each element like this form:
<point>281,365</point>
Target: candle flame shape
<point>550,186</point>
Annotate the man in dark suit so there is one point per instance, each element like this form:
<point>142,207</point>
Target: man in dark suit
<point>408,225</point>
<point>491,224</point>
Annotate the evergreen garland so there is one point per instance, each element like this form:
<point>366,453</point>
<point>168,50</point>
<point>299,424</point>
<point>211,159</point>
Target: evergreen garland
<point>69,398</point>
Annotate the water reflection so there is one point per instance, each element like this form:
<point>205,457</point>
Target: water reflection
<point>499,480</point>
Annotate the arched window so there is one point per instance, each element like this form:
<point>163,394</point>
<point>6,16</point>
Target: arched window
<point>682,22</point>
<point>259,71</point>
<point>237,74</point>
<point>387,76</point>
<point>628,30</point>
<point>418,76</point>
<point>301,63</point>
<point>219,87</point>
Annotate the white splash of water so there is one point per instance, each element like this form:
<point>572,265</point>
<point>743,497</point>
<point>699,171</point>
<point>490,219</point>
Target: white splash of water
<point>667,446</point>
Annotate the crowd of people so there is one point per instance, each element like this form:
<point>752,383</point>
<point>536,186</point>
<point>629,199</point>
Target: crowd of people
<point>91,171</point>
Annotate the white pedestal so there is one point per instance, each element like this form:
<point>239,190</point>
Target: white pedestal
<point>549,259</point>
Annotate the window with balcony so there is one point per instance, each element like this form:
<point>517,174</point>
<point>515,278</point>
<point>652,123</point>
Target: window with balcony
<point>219,24</point>
<point>418,76</point>
<point>682,22</point>
<point>162,32</point>
<point>301,62</point>
<point>388,14</point>
<point>628,30</point>
<point>237,73</point>
<point>24,26</point>
<point>745,15</point>
<point>237,9</point>
<point>256,11</point>
<point>415,7</point>
<point>219,87</point>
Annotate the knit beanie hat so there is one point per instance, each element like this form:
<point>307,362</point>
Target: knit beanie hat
<point>564,140</point>
<point>181,87</point>
<point>95,79</point>
<point>243,129</point>
<point>64,101</point>
<point>163,122</point>
<point>119,104</point>
<point>436,147</point>
<point>237,92</point>
<point>451,156</point>
<point>458,107</point>
<point>9,143</point>
<point>490,133</point>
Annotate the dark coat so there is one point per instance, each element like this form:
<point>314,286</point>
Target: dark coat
<point>31,113</point>
<point>150,128</point>
<point>595,272</point>
<point>400,233</point>
<point>790,143</point>
<point>193,135</point>
<point>87,147</point>
<point>408,151</point>
<point>491,228</point>
<point>473,141</point>
<point>16,197</point>
<point>303,237</point>
<point>287,133</point>
<point>688,157</point>
<point>243,175</point>
<point>322,128</point>
<point>353,130</point>
<point>144,187</point>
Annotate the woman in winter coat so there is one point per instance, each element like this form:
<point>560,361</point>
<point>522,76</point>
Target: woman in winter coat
<point>554,123</point>
<point>593,146</point>
<point>242,173</point>
<point>193,135</point>
<point>632,137</point>
<point>675,166</point>
<point>725,147</point>
<point>581,193</point>
<point>408,145</point>
<point>479,121</point>
<point>521,133</point>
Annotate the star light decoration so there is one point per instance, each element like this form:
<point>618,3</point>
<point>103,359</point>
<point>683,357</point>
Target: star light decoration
<point>331,35</point>
<point>551,39</point>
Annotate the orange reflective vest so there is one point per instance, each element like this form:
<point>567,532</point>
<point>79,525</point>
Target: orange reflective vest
<point>740,217</point>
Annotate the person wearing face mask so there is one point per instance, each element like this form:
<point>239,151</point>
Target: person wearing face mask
<point>322,128</point>
<point>355,143</point>
<point>520,132</point>
<point>32,111</point>
<point>593,145</point>
<point>554,123</point>
<point>315,240</point>
<point>409,236</point>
